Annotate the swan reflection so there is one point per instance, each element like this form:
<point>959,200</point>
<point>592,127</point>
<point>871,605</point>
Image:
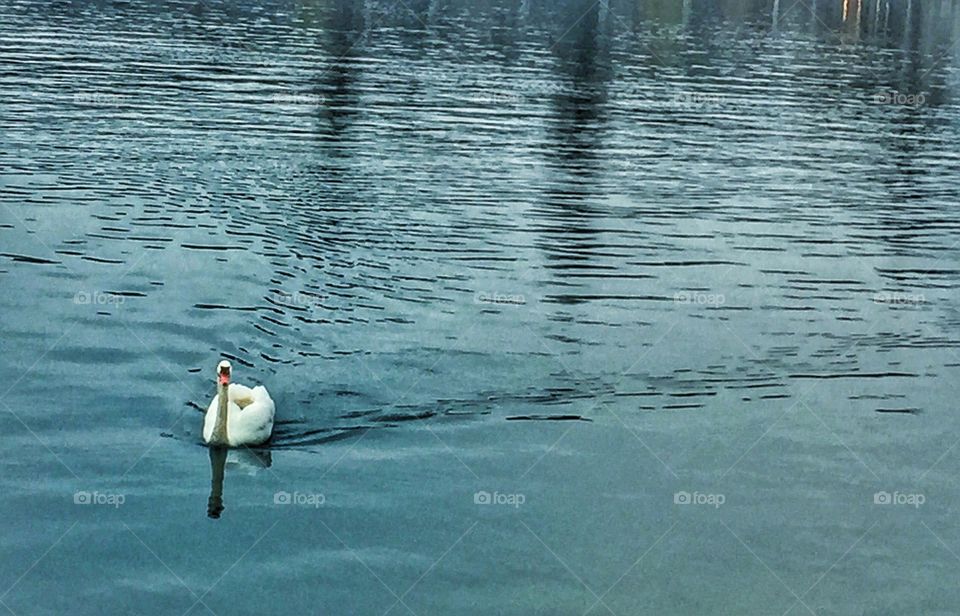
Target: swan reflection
<point>249,461</point>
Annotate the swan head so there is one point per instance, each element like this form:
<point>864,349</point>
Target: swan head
<point>223,372</point>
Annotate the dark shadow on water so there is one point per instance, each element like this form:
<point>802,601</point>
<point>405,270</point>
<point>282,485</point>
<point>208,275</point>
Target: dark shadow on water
<point>218,458</point>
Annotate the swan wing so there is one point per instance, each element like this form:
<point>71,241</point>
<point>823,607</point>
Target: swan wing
<point>260,394</point>
<point>241,394</point>
<point>253,424</point>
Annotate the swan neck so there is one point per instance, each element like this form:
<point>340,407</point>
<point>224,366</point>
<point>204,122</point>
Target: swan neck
<point>219,436</point>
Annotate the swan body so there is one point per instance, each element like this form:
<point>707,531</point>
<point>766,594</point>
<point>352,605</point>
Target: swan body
<point>247,418</point>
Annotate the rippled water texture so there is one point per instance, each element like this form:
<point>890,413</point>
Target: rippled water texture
<point>567,307</point>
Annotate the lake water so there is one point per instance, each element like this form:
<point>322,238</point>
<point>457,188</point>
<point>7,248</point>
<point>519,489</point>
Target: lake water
<point>567,307</point>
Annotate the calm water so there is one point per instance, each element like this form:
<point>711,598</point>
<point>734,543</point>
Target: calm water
<point>583,261</point>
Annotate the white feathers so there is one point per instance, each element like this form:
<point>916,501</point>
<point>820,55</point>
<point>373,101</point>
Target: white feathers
<point>249,415</point>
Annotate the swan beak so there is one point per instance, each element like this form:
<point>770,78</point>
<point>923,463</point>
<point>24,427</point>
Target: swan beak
<point>223,373</point>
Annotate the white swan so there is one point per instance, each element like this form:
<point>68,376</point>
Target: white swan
<point>238,415</point>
